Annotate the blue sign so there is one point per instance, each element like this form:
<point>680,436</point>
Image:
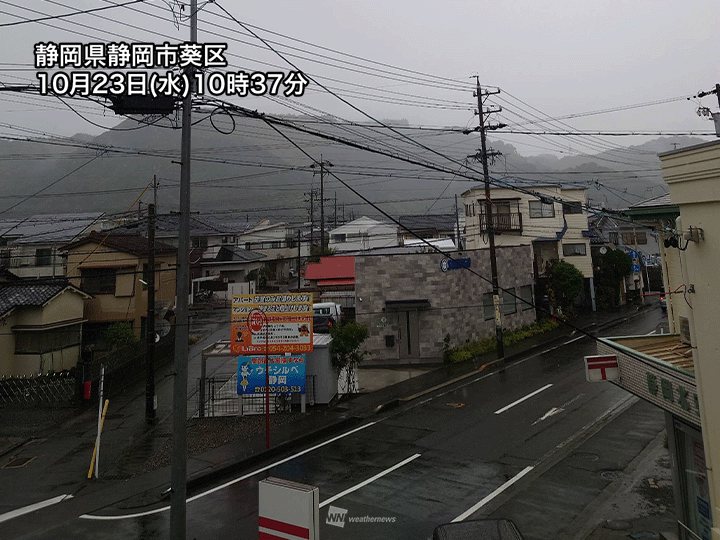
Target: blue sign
<point>635,268</point>
<point>454,264</point>
<point>286,374</point>
<point>633,254</point>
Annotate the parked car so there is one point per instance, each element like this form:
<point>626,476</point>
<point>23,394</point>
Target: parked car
<point>329,309</point>
<point>322,324</point>
<point>663,304</point>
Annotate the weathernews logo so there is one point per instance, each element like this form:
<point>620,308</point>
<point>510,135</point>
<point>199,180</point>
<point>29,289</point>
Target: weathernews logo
<point>337,516</point>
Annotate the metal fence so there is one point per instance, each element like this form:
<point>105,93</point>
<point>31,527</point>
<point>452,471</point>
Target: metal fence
<point>39,389</point>
<point>222,399</point>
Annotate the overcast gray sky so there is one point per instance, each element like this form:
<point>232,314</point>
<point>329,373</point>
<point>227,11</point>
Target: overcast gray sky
<point>555,58</point>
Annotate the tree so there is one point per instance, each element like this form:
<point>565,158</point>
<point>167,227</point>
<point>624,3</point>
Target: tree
<point>345,350</point>
<point>610,270</point>
<point>118,334</point>
<point>566,283</point>
<point>316,252</point>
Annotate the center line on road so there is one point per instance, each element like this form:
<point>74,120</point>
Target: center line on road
<point>33,507</point>
<point>230,482</point>
<point>494,494</point>
<point>531,394</point>
<point>371,479</point>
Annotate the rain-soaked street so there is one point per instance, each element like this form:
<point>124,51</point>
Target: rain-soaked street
<point>459,452</point>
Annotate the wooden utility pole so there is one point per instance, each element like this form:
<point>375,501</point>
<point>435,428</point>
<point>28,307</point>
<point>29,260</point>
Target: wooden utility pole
<point>490,223</point>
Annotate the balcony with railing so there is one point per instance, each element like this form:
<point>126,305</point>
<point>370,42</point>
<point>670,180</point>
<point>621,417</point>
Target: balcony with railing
<point>505,222</point>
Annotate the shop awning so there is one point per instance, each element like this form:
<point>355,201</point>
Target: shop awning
<point>659,369</point>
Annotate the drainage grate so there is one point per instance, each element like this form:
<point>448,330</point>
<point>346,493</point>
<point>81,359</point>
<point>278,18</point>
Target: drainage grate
<point>16,463</point>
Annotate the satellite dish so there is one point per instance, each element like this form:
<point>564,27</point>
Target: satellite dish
<point>603,250</point>
<point>163,327</point>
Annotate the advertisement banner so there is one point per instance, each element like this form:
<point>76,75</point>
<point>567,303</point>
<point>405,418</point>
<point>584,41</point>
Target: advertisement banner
<point>284,320</point>
<point>286,374</point>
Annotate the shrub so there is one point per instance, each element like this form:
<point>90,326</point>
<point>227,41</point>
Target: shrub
<point>473,349</point>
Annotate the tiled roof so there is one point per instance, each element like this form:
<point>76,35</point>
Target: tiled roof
<point>337,267</point>
<point>661,200</point>
<point>29,293</point>
<point>137,245</point>
<point>47,228</point>
<point>437,222</point>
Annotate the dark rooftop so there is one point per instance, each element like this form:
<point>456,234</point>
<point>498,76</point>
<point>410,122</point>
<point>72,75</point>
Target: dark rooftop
<point>26,293</point>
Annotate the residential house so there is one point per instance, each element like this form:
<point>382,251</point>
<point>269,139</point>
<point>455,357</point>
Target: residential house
<point>549,219</point>
<point>30,245</point>
<point>113,268</point>
<point>430,227</point>
<point>679,372</point>
<point>620,233</point>
<point>333,280</point>
<point>362,234</point>
<point>42,322</point>
<point>279,244</point>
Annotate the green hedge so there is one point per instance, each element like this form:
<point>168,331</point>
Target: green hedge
<point>473,349</point>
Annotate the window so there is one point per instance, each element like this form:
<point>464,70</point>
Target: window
<point>488,306</point>
<point>540,209</point>
<point>509,305</point>
<point>44,341</point>
<point>526,294</point>
<point>43,257</point>
<point>572,208</point>
<point>199,241</point>
<point>339,238</point>
<point>97,280</point>
<point>629,238</point>
<point>614,238</point>
<point>570,250</point>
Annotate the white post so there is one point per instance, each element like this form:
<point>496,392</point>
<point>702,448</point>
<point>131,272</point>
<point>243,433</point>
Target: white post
<point>100,407</point>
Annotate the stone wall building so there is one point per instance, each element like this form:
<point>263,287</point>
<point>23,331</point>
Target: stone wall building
<point>410,302</point>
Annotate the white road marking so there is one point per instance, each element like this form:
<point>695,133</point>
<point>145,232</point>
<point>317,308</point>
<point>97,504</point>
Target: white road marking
<point>548,414</point>
<point>494,494</point>
<point>576,339</point>
<point>32,507</point>
<point>371,479</point>
<point>229,483</point>
<point>650,333</point>
<point>531,394</point>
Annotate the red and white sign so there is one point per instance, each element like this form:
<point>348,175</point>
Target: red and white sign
<point>601,368</point>
<point>288,510</point>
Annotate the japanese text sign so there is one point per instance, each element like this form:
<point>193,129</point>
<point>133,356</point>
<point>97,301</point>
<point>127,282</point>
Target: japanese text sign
<point>282,320</point>
<point>285,374</point>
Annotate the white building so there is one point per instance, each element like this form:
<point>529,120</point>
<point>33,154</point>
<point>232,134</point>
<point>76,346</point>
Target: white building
<point>555,226</point>
<point>362,234</point>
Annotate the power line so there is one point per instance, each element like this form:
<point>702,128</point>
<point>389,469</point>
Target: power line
<point>65,15</point>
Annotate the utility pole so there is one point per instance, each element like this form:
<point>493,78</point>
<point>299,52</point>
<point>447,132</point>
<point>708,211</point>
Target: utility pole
<point>155,188</point>
<point>457,224</point>
<point>178,469</point>
<point>150,322</point>
<point>312,217</point>
<point>335,212</point>
<point>322,164</point>
<point>298,262</point>
<point>489,220</point>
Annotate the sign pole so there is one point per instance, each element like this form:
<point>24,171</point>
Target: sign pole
<point>267,384</point>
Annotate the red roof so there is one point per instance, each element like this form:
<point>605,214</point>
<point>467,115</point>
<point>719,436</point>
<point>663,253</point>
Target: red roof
<point>332,268</point>
<point>327,282</point>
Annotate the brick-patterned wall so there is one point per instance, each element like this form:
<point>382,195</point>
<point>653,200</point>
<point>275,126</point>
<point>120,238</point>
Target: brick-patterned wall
<point>455,297</point>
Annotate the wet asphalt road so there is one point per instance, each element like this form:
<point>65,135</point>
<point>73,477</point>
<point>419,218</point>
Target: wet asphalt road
<point>456,446</point>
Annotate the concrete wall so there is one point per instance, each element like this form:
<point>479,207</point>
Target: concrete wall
<point>693,175</point>
<point>455,298</point>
